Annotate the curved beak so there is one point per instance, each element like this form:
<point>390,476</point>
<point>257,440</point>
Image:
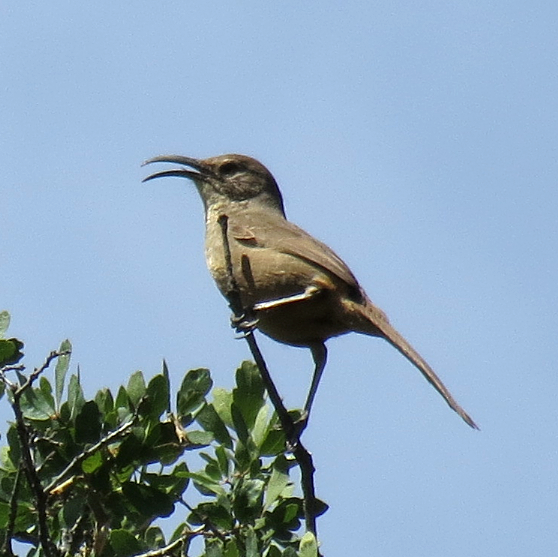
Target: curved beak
<point>203,170</point>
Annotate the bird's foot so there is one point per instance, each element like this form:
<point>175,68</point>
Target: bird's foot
<point>244,323</point>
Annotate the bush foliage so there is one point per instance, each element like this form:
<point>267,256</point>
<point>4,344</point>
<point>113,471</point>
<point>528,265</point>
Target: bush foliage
<point>97,476</point>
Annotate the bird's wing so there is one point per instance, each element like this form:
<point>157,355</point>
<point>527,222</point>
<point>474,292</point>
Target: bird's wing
<point>265,231</point>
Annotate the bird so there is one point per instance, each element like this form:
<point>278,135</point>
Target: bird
<point>299,290</point>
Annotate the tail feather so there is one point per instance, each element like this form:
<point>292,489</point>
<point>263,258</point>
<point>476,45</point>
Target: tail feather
<point>381,327</point>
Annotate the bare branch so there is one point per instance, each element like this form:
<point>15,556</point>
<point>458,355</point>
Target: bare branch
<point>7,545</point>
<point>303,457</point>
<point>48,546</point>
<point>38,371</point>
<point>18,367</point>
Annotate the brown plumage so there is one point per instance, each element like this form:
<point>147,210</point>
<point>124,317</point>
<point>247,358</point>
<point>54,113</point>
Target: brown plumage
<point>301,292</point>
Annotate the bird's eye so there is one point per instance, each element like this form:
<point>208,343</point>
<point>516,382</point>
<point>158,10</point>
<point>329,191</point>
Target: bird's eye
<point>229,168</point>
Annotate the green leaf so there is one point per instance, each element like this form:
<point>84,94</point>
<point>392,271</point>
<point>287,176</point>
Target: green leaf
<point>287,514</point>
<point>6,464</point>
<point>62,366</point>
<point>214,513</point>
<point>191,395</point>
<point>213,471</point>
<point>158,395</point>
<point>172,484</point>
<point>92,463</point>
<point>10,351</point>
<point>200,438</point>
<point>308,546</point>
<point>20,377</point>
<point>261,425</point>
<point>4,514</point>
<point>278,481</point>
<point>248,499</point>
<point>248,379</point>
<point>239,424</point>
<point>4,322</point>
<point>251,544</point>
<point>154,537</point>
<point>88,423</point>
<point>165,442</point>
<point>25,517</point>
<point>222,401</point>
<point>122,400</point>
<point>274,442</point>
<point>204,484</point>
<point>46,390</point>
<point>105,402</point>
<point>131,451</point>
<point>15,448</point>
<point>181,479</point>
<point>209,458</point>
<point>124,544</point>
<point>211,421</point>
<point>179,532</point>
<point>290,552</point>
<point>292,511</point>
<point>231,549</point>
<point>166,375</point>
<point>136,387</point>
<point>76,400</point>
<point>213,548</point>
<point>148,501</point>
<point>274,551</point>
<point>73,509</point>
<point>35,406</point>
<point>249,394</point>
<point>223,460</point>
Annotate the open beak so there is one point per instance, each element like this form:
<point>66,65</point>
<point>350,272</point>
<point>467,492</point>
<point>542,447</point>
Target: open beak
<point>203,170</point>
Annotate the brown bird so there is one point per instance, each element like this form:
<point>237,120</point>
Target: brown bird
<point>300,291</point>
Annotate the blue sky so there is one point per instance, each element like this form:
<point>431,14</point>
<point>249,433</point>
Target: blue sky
<point>418,139</point>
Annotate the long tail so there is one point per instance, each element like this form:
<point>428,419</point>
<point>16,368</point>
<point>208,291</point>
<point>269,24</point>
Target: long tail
<point>381,327</point>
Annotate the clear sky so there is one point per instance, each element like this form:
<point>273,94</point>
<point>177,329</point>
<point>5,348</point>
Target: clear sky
<point>418,139</point>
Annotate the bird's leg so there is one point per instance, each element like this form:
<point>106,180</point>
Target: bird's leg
<point>308,293</point>
<point>319,353</point>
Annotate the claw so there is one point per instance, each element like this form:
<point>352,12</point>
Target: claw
<point>243,324</point>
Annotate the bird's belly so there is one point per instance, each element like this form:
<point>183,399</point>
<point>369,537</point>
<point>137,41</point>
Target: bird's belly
<point>301,323</point>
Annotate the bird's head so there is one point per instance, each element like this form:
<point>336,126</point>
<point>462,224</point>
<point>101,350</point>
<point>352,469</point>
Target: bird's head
<point>226,178</point>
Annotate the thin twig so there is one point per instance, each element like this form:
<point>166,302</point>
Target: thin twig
<point>74,539</point>
<point>163,551</point>
<point>38,370</point>
<point>7,545</point>
<point>33,480</point>
<point>306,463</point>
<point>303,457</point>
<point>90,451</point>
<point>18,367</point>
<point>48,546</point>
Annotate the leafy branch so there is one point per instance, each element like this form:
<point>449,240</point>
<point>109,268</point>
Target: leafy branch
<point>104,476</point>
